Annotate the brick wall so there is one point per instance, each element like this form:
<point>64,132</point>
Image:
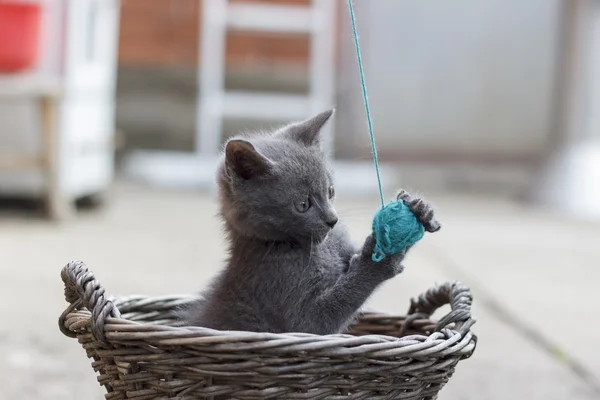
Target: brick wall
<point>158,56</point>
<point>165,33</point>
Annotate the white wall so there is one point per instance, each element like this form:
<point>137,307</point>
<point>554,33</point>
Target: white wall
<point>453,76</point>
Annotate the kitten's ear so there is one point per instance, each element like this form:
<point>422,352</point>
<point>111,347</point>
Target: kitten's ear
<point>244,160</point>
<point>307,132</point>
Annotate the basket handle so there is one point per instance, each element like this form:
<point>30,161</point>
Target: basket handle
<point>454,293</point>
<point>83,290</point>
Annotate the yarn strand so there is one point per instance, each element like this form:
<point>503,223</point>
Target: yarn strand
<point>395,227</point>
<point>366,100</point>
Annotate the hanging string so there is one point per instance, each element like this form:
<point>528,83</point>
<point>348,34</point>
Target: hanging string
<point>395,227</point>
<point>366,100</point>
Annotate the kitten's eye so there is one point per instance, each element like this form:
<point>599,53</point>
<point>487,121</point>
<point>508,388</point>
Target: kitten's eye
<point>331,192</point>
<point>302,205</point>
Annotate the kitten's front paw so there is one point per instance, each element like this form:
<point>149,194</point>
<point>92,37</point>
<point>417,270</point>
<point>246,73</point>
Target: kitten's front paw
<point>391,263</point>
<point>368,247</point>
<point>421,209</point>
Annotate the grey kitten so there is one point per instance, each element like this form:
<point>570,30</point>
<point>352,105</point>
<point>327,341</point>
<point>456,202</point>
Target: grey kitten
<point>292,266</point>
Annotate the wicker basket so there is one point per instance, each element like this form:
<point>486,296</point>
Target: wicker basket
<point>140,352</point>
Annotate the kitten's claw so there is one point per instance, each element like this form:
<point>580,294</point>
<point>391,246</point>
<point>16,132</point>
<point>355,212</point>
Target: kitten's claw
<point>401,194</point>
<point>433,226</point>
<point>422,210</point>
<point>418,206</point>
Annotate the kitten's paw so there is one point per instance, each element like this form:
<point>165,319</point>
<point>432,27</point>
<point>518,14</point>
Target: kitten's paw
<point>422,210</point>
<point>391,263</point>
<point>368,247</point>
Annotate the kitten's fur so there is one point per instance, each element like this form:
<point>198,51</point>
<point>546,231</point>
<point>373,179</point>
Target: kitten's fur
<point>289,271</point>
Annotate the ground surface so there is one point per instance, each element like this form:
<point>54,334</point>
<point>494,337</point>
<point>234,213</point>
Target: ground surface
<point>534,276</point>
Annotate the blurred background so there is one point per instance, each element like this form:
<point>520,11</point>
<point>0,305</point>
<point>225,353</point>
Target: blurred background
<point>113,113</point>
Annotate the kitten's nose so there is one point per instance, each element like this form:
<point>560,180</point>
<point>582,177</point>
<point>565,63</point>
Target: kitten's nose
<point>332,221</point>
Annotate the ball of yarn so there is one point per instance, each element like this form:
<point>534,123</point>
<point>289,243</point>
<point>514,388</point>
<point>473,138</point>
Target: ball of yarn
<point>395,228</point>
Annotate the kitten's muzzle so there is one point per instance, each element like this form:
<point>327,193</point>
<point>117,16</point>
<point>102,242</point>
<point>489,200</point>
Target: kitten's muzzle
<point>331,221</point>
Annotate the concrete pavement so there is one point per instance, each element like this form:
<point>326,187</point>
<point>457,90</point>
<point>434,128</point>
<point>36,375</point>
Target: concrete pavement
<point>532,273</point>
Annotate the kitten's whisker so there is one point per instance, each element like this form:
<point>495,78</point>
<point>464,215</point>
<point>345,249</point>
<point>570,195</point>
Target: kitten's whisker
<point>311,248</point>
<point>359,210</point>
<point>354,219</point>
<point>356,216</point>
<point>355,212</point>
<point>316,203</point>
<point>268,251</point>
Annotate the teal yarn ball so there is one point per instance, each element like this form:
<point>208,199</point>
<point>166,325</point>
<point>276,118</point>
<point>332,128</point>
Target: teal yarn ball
<point>395,228</point>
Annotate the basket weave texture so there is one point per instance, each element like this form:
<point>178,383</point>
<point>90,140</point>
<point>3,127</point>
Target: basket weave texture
<point>140,352</point>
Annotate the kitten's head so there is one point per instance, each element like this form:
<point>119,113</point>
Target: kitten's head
<point>278,186</point>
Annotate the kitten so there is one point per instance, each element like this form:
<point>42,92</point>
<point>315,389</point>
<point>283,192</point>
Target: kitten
<point>292,267</point>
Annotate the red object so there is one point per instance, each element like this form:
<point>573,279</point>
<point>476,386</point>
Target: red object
<point>19,35</point>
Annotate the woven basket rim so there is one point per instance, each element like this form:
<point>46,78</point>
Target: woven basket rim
<point>88,301</point>
<point>120,321</point>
